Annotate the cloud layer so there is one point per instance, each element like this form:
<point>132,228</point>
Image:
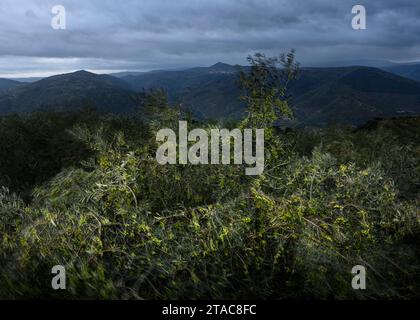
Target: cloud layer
<point>105,35</point>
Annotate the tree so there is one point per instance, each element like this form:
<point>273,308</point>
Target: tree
<point>264,88</point>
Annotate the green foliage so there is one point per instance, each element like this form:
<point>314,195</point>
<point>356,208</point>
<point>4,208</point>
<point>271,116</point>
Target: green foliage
<point>264,88</point>
<point>126,227</point>
<point>34,148</point>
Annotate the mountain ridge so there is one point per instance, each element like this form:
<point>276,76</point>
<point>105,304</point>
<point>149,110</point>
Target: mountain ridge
<point>215,94</point>
<point>70,91</point>
<point>321,96</point>
<point>6,84</point>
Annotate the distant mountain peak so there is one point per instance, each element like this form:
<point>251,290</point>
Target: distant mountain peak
<point>83,72</point>
<point>70,91</point>
<point>221,65</point>
<point>80,74</point>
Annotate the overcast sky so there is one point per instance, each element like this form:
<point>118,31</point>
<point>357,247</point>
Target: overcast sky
<point>111,35</point>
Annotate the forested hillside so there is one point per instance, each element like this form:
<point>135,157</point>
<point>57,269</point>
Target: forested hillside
<point>320,96</point>
<point>84,190</point>
<point>70,92</point>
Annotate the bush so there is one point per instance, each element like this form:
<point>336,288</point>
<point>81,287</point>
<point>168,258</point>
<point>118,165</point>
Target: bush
<point>126,227</point>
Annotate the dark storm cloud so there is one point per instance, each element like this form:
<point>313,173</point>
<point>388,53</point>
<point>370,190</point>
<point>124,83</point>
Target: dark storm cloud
<point>114,35</point>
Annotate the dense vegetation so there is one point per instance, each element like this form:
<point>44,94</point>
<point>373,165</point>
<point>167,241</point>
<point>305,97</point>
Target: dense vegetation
<point>84,190</point>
